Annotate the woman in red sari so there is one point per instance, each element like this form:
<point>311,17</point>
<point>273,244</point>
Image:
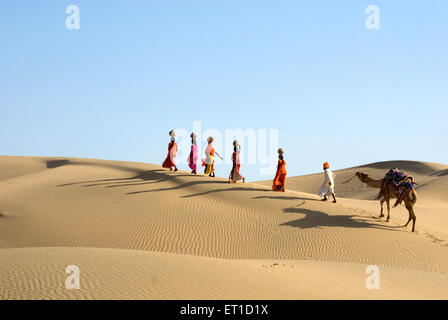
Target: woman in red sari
<point>280,177</point>
<point>172,152</point>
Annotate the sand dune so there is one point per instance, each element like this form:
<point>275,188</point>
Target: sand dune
<point>137,231</point>
<point>37,273</point>
<point>432,178</point>
<point>426,174</point>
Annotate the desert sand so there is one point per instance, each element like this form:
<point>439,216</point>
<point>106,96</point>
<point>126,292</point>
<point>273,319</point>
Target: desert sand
<point>137,231</point>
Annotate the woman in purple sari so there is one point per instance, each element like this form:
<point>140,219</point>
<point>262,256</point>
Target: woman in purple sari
<point>193,158</point>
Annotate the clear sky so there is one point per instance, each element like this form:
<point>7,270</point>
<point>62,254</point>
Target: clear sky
<point>134,70</point>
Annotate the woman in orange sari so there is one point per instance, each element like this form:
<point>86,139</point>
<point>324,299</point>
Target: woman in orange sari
<point>209,161</point>
<point>172,152</point>
<point>280,177</point>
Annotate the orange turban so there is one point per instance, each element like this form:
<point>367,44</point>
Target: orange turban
<point>326,165</point>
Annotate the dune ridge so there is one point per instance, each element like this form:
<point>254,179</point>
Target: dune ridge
<point>54,209</point>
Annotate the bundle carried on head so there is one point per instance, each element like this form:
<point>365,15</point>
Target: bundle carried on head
<point>236,145</point>
<point>193,138</point>
<point>173,136</point>
<point>281,151</point>
<point>210,139</point>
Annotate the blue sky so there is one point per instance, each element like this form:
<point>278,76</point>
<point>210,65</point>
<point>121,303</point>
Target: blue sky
<point>134,70</point>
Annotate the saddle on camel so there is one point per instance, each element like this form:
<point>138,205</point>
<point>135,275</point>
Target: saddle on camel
<point>401,181</point>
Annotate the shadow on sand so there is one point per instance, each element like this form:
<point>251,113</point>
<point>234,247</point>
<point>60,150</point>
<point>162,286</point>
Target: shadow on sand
<point>51,164</point>
<point>285,198</point>
<point>140,177</point>
<point>143,177</point>
<point>441,173</point>
<point>224,190</point>
<point>181,186</point>
<point>312,219</point>
<point>318,219</point>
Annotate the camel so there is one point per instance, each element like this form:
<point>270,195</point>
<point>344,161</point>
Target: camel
<point>390,193</point>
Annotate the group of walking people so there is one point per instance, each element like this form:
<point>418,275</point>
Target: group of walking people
<point>279,184</point>
<point>208,161</point>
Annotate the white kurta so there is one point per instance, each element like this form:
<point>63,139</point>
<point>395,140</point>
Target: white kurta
<point>327,188</point>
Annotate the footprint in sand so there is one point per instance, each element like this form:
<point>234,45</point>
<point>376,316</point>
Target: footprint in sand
<point>435,239</point>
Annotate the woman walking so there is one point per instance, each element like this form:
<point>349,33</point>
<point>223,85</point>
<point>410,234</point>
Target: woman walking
<point>235,175</point>
<point>172,152</point>
<point>209,160</point>
<point>193,158</point>
<point>280,177</point>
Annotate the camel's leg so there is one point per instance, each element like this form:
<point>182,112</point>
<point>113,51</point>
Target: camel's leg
<point>411,217</point>
<point>414,219</point>
<point>382,210</point>
<point>409,220</point>
<point>388,209</point>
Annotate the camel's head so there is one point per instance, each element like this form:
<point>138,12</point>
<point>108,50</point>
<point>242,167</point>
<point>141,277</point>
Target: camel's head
<point>362,176</point>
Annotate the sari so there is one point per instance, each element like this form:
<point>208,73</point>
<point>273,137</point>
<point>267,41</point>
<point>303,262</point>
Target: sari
<point>235,172</point>
<point>209,159</point>
<point>280,177</point>
<point>193,158</point>
<point>172,152</point>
